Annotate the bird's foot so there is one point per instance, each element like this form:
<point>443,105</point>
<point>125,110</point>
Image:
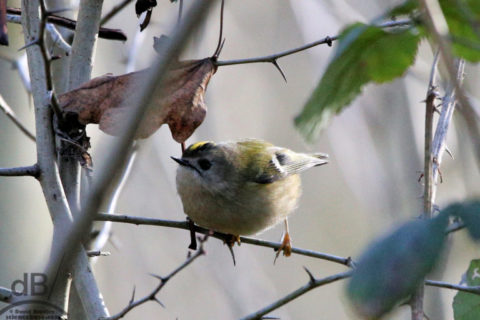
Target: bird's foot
<point>285,247</point>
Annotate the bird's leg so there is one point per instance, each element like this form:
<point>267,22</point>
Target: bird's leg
<point>193,239</point>
<point>286,245</point>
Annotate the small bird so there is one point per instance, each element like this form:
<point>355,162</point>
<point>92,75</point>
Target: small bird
<point>242,187</point>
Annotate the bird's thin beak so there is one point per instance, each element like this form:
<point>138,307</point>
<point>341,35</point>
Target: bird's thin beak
<point>181,162</point>
<point>185,163</point>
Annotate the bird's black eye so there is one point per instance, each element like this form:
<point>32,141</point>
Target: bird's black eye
<point>204,164</point>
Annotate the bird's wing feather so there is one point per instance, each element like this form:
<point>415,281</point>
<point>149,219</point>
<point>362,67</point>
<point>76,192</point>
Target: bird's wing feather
<point>265,163</point>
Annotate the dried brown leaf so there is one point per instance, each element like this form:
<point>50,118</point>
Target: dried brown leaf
<point>107,100</point>
<point>3,23</point>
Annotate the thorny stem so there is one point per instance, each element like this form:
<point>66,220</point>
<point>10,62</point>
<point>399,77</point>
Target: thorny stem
<point>327,40</point>
<point>312,284</point>
<point>184,225</point>
<point>104,33</point>
<point>152,296</point>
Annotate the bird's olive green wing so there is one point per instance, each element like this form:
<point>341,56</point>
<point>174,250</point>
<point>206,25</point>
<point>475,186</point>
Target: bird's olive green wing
<point>256,160</point>
<point>262,162</point>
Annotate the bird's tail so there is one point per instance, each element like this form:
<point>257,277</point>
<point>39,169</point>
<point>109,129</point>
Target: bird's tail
<point>322,158</point>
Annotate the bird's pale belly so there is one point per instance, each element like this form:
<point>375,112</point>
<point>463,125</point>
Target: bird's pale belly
<point>248,210</point>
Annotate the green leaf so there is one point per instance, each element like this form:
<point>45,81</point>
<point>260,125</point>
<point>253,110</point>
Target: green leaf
<point>469,212</point>
<point>393,267</point>
<point>405,8</point>
<point>463,19</point>
<point>466,306</point>
<point>364,54</point>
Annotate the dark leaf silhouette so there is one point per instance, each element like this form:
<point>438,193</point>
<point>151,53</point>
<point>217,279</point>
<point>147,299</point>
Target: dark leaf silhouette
<point>145,5</point>
<point>107,100</point>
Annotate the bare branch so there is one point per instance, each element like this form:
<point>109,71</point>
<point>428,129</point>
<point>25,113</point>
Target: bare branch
<point>184,225</point>
<point>441,284</point>
<point>152,296</point>
<point>312,284</point>
<point>327,40</point>
<point>12,116</point>
<point>57,38</point>
<point>32,171</point>
<point>83,45</point>
<point>119,7</point>
<point>104,33</point>
<point>439,140</point>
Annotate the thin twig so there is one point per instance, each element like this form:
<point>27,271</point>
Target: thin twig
<point>327,40</point>
<point>438,29</point>
<point>12,116</point>
<point>104,33</point>
<point>439,140</point>
<point>416,303</point>
<point>32,171</point>
<point>220,34</point>
<point>119,7</point>
<point>312,284</point>
<point>57,38</point>
<point>184,225</point>
<point>152,296</point>
<point>104,234</point>
<point>446,285</point>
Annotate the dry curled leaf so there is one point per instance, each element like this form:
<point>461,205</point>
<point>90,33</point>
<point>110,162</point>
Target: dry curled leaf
<point>107,100</point>
<point>3,23</point>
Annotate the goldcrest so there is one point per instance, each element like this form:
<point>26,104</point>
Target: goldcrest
<point>241,187</point>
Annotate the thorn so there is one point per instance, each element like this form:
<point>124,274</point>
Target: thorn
<point>230,248</point>
<point>421,176</point>
<point>449,152</point>
<point>162,279</point>
<point>133,296</point>
<point>310,275</point>
<point>159,302</point>
<point>31,43</point>
<point>274,62</point>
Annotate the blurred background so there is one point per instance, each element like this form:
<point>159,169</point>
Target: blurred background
<point>370,185</point>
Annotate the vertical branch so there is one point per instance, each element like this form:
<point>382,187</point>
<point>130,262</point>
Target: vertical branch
<point>84,42</point>
<point>81,63</point>
<point>416,303</point>
<point>49,175</point>
<point>428,163</point>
